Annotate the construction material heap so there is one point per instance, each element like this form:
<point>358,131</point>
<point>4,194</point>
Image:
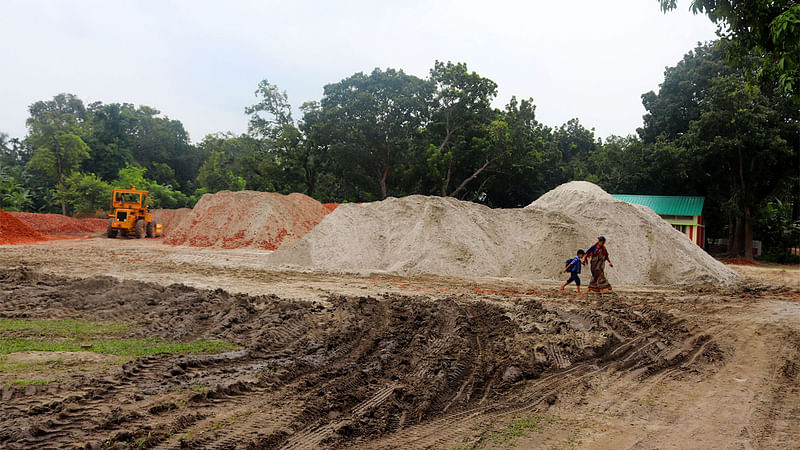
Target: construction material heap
<point>419,234</point>
<point>246,219</point>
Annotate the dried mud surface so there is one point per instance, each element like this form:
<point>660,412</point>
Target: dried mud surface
<point>383,362</point>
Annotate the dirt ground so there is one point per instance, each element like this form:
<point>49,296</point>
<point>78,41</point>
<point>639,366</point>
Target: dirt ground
<point>381,361</point>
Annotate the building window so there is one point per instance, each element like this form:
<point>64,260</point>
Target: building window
<point>682,228</point>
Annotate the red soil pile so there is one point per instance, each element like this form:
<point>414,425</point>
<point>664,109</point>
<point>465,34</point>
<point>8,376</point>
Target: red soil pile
<point>247,219</point>
<point>14,231</point>
<point>58,224</point>
<point>170,219</point>
<point>330,206</point>
<point>740,262</point>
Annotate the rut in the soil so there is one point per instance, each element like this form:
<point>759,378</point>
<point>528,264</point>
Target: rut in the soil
<point>344,372</point>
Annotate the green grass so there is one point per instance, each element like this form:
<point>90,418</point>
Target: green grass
<point>518,427</point>
<point>65,328</point>
<point>68,336</point>
<point>118,346</point>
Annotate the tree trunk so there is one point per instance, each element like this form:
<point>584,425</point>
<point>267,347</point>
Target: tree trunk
<point>470,178</point>
<point>737,246</point>
<point>731,234</point>
<point>311,181</point>
<point>446,183</point>
<point>748,234</point>
<point>747,227</point>
<point>60,168</point>
<point>385,173</point>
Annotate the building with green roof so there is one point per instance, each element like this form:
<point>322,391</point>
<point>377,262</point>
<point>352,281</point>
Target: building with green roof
<point>685,214</point>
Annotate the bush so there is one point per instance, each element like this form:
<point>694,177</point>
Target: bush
<point>83,192</point>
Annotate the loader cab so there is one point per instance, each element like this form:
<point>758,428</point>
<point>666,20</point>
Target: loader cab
<point>128,199</point>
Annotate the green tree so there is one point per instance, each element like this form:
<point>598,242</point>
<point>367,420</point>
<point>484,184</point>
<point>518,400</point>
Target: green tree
<point>111,138</point>
<point>461,115</point>
<point>287,158</point>
<point>216,175</point>
<point>741,129</point>
<point>722,138</point>
<point>534,166</point>
<point>83,192</point>
<point>55,128</point>
<point>371,120</point>
<point>768,28</point>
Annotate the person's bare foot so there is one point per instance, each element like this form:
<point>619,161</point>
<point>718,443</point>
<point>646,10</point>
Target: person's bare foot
<point>563,291</point>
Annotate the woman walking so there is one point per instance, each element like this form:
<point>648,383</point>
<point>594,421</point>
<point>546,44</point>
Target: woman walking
<point>599,256</point>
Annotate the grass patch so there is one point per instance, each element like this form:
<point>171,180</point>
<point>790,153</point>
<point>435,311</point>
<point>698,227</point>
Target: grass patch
<point>27,382</point>
<point>70,328</point>
<point>119,346</point>
<point>68,336</point>
<point>518,427</point>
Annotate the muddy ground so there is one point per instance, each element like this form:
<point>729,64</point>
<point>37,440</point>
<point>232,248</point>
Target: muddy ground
<point>380,361</point>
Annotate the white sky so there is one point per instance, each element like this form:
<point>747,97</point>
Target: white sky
<point>200,61</point>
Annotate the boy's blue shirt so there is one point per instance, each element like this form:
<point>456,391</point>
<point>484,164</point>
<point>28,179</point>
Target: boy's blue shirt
<point>574,265</point>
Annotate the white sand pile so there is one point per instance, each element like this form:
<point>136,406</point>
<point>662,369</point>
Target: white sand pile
<point>247,219</point>
<point>419,234</point>
<point>170,219</point>
<point>643,247</point>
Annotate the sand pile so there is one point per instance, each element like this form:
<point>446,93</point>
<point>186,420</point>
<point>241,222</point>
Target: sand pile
<point>14,231</point>
<point>60,224</point>
<point>419,234</point>
<point>247,219</point>
<point>643,247</point>
<point>170,219</point>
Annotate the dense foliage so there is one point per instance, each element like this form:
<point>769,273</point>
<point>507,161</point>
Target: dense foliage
<point>708,131</point>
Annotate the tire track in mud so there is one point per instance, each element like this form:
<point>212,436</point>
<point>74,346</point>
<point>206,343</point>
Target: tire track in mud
<point>376,372</point>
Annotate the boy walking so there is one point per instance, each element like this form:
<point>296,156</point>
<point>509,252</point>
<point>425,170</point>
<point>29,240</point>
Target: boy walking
<point>574,268</point>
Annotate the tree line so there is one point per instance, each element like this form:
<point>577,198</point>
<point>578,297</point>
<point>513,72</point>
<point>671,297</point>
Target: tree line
<point>707,131</point>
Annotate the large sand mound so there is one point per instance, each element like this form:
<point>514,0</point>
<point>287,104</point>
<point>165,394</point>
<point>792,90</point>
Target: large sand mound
<point>246,219</point>
<point>419,234</point>
<point>643,247</point>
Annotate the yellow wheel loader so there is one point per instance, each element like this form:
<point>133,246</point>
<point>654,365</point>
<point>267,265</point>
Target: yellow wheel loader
<point>130,215</point>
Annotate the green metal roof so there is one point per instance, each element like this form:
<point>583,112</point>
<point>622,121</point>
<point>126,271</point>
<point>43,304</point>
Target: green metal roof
<point>667,205</point>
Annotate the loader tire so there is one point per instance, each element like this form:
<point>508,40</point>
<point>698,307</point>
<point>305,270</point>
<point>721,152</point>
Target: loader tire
<point>139,228</point>
<point>151,229</point>
<point>110,232</point>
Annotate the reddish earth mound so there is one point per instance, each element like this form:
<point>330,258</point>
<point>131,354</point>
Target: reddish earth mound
<point>58,224</point>
<point>170,219</point>
<point>247,219</point>
<point>740,262</point>
<point>14,231</point>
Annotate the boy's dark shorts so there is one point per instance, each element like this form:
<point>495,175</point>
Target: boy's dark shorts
<point>574,277</point>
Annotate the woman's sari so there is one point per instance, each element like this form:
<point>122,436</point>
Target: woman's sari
<point>599,256</point>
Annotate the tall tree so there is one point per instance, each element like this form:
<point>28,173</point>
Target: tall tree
<point>460,111</point>
<point>376,117</point>
<point>55,128</point>
<point>741,129</point>
<point>738,141</point>
<point>284,145</point>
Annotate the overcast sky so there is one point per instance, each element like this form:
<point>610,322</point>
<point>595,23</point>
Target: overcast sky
<point>200,61</point>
